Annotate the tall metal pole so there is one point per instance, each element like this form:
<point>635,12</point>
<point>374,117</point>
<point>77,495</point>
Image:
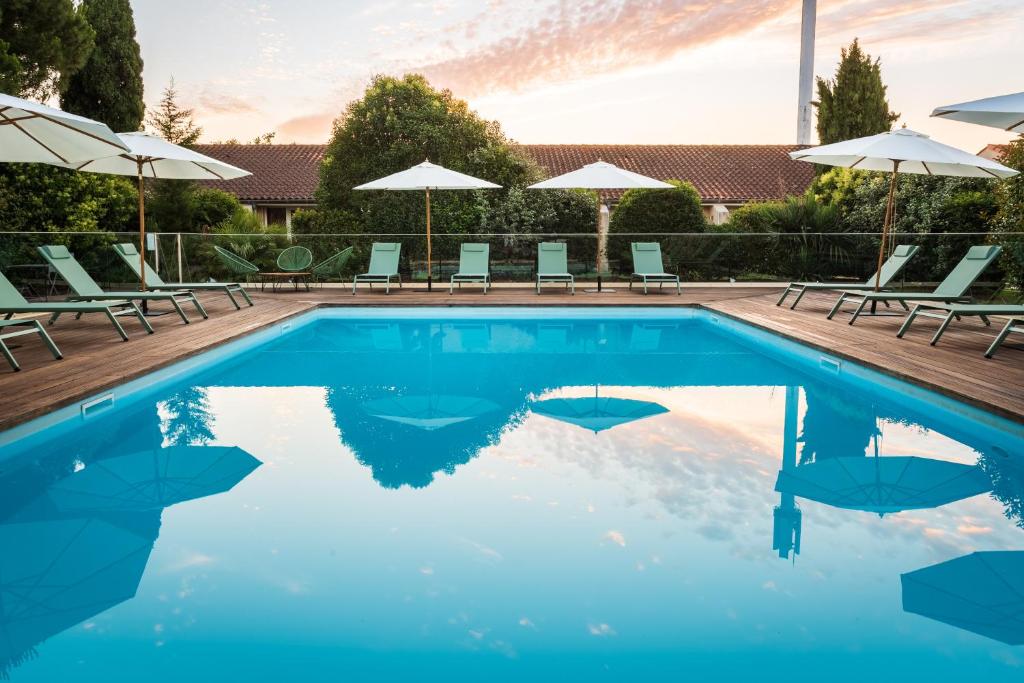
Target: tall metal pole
<point>805,111</point>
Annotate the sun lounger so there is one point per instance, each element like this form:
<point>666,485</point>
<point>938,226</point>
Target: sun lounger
<point>553,265</point>
<point>954,289</point>
<point>892,267</point>
<point>474,266</point>
<point>1012,325</point>
<point>31,326</point>
<point>130,255</point>
<point>383,266</point>
<point>949,312</point>
<point>648,266</point>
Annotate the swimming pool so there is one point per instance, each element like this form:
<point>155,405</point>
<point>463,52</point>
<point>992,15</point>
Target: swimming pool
<point>495,494</point>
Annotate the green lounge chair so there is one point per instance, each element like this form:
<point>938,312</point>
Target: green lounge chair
<point>333,267</point>
<point>1012,325</point>
<point>294,259</point>
<point>33,327</point>
<point>890,269</point>
<point>648,266</point>
<point>12,302</point>
<point>553,265</point>
<point>954,289</point>
<point>130,255</point>
<point>235,263</point>
<point>383,266</point>
<point>474,266</point>
<point>86,289</point>
<point>957,311</point>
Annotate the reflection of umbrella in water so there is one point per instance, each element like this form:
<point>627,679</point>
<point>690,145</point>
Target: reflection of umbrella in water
<point>597,413</point>
<point>56,573</point>
<point>429,412</point>
<point>883,484</point>
<point>152,479</point>
<point>982,592</point>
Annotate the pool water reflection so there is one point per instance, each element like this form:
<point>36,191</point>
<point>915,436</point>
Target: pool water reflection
<point>494,499</point>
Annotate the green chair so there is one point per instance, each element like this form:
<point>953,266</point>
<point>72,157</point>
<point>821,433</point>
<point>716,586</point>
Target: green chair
<point>474,266</point>
<point>954,289</point>
<point>32,327</point>
<point>12,302</point>
<point>892,267</point>
<point>294,259</point>
<point>553,265</point>
<point>648,266</point>
<point>958,311</point>
<point>383,266</point>
<point>333,267</point>
<point>86,289</point>
<point>1012,325</point>
<point>235,263</point>
<point>130,255</point>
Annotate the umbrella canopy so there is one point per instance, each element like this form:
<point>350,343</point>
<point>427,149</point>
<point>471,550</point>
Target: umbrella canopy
<point>429,412</point>
<point>903,151</point>
<point>32,132</point>
<point>59,572</point>
<point>982,592</point>
<point>883,484</point>
<point>148,156</point>
<point>597,413</point>
<point>1005,112</point>
<point>150,480</point>
<point>601,175</point>
<point>426,177</point>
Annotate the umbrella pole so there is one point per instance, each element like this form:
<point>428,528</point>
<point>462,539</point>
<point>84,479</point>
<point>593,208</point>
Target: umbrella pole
<point>887,222</point>
<point>430,270</point>
<point>597,263</point>
<point>142,237</point>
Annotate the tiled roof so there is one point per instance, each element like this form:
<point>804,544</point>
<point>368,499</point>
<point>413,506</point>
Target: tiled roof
<point>280,173</point>
<point>726,174</point>
<point>994,152</point>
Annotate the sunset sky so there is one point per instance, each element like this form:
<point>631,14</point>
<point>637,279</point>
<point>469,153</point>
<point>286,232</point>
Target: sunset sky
<point>600,71</point>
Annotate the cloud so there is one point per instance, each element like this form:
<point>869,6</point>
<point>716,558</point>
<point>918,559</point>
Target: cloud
<point>308,128</point>
<point>883,21</point>
<point>615,537</point>
<point>221,103</point>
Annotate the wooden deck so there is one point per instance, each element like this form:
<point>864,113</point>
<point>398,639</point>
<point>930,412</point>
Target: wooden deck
<point>95,358</point>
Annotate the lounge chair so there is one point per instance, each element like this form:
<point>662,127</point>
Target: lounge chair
<point>12,302</point>
<point>1012,325</point>
<point>32,327</point>
<point>333,267</point>
<point>474,266</point>
<point>890,269</point>
<point>294,259</point>
<point>86,289</point>
<point>130,255</point>
<point>957,311</point>
<point>954,289</point>
<point>648,266</point>
<point>383,266</point>
<point>235,263</point>
<point>553,265</point>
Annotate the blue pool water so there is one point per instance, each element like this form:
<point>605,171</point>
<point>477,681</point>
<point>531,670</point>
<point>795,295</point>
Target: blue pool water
<point>540,495</point>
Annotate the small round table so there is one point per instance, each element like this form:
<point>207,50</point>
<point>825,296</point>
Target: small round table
<point>276,279</point>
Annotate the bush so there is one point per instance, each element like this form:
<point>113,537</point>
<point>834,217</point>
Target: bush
<point>1009,218</point>
<point>211,207</point>
<point>243,234</point>
<point>657,211</point>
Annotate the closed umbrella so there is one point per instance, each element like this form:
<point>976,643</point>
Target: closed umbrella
<point>600,175</point>
<point>148,156</point>
<point>427,177</point>
<point>32,132</point>
<point>901,151</point>
<point>1005,112</point>
<point>597,413</point>
<point>982,592</point>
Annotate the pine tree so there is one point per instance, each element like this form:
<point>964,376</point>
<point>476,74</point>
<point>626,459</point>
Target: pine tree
<point>853,104</point>
<point>171,122</point>
<point>109,87</point>
<point>42,42</point>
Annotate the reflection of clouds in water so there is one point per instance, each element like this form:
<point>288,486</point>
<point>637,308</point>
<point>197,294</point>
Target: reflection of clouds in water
<point>615,537</point>
<point>600,630</point>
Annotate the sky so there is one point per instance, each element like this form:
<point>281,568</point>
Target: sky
<point>559,71</point>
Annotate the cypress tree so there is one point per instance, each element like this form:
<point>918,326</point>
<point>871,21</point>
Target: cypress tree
<point>853,104</point>
<point>109,87</point>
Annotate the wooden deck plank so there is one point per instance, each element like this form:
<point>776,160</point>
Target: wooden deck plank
<point>95,359</point>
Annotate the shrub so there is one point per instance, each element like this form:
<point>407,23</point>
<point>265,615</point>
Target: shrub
<point>657,211</point>
<point>1009,218</point>
<point>244,235</point>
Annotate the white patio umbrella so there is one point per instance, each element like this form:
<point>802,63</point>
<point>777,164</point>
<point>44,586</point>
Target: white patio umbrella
<point>148,156</point>
<point>1005,112</point>
<point>32,132</point>
<point>600,175</point>
<point>427,177</point>
<point>901,151</point>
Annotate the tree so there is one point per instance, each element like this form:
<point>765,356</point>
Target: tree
<point>1009,218</point>
<point>853,104</point>
<point>109,87</point>
<point>171,122</point>
<point>657,211</point>
<point>42,43</point>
